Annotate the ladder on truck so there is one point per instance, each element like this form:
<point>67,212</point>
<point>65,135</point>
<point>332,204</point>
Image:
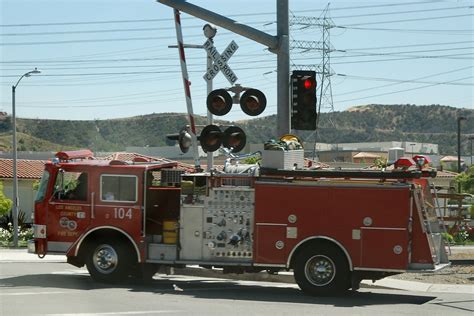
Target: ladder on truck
<point>431,225</point>
<point>439,210</point>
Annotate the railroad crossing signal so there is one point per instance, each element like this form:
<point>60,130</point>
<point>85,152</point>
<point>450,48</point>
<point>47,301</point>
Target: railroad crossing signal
<point>303,100</point>
<point>212,138</point>
<point>252,102</point>
<point>220,61</point>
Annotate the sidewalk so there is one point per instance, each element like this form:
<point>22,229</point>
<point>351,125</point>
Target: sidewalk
<point>21,255</point>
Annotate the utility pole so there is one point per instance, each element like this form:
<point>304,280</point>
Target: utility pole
<point>276,44</point>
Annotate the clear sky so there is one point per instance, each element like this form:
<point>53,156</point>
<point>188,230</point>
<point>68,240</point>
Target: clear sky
<point>110,58</point>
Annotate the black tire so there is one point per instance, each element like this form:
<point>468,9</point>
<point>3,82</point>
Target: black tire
<point>321,270</point>
<point>109,262</point>
<point>144,272</point>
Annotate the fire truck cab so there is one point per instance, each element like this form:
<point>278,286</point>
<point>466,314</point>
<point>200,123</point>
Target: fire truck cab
<point>332,228</point>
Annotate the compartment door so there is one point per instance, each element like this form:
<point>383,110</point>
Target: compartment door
<point>270,243</point>
<point>384,248</point>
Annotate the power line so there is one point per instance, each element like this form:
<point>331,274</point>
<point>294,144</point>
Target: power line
<point>410,45</point>
<point>406,81</point>
<point>401,12</point>
<point>435,31</point>
<point>110,60</point>
<point>148,29</point>
<point>185,18</point>
<point>406,90</point>
<point>409,20</point>
<point>362,53</point>
<point>405,58</point>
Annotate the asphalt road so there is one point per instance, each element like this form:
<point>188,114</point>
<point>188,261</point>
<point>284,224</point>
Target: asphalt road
<point>32,288</point>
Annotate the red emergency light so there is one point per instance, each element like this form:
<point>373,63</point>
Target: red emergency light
<point>74,154</point>
<point>404,163</point>
<point>421,160</point>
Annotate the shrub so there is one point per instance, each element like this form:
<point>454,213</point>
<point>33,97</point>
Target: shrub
<point>6,235</point>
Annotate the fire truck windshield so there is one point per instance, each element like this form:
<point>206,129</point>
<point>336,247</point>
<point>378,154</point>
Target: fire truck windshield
<point>42,186</point>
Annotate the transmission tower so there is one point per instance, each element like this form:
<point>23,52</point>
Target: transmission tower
<point>323,70</point>
<point>324,49</point>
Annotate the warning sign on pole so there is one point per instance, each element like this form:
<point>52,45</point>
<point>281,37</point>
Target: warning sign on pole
<point>220,61</point>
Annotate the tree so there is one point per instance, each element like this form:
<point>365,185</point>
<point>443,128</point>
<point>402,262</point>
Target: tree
<point>5,203</point>
<point>466,180</point>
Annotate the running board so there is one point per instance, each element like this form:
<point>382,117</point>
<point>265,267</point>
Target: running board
<point>426,267</point>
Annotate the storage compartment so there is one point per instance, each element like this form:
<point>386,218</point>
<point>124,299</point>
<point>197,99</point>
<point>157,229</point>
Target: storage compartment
<point>161,252</point>
<point>283,159</point>
<point>170,231</point>
<point>162,204</point>
<point>190,231</point>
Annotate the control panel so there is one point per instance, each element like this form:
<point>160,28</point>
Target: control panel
<point>228,224</point>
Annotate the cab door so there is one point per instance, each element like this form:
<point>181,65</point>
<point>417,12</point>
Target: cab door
<point>69,209</point>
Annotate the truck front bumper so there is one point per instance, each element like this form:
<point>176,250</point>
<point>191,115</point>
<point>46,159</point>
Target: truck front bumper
<point>31,246</point>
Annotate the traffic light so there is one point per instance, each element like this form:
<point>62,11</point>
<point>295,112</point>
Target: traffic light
<point>212,138</point>
<point>303,100</point>
<point>219,102</point>
<point>253,102</point>
<point>235,138</point>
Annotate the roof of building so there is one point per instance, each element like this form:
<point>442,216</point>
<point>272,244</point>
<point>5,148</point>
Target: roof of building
<point>27,169</point>
<point>450,159</point>
<point>366,155</point>
<point>446,174</point>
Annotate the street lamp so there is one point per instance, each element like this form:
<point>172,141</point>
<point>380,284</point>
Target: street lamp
<point>412,149</point>
<point>15,175</point>
<point>471,139</point>
<point>461,118</point>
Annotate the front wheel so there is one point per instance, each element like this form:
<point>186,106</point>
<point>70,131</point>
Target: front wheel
<point>321,270</point>
<point>108,262</point>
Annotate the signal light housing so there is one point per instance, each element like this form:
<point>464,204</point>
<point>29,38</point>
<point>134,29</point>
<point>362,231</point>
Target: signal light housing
<point>219,102</point>
<point>253,102</point>
<point>211,138</point>
<point>303,100</point>
<point>235,138</point>
<point>184,139</point>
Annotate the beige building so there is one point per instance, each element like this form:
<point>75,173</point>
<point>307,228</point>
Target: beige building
<point>29,171</point>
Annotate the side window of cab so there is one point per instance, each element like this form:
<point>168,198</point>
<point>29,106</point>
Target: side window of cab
<point>71,186</point>
<point>118,188</point>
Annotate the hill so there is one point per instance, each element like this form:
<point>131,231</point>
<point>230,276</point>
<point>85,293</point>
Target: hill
<point>433,124</point>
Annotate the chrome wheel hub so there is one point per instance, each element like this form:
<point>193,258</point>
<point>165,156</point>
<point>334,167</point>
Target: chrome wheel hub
<point>105,259</point>
<point>320,270</point>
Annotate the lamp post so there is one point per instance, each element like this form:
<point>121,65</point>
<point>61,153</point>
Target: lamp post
<point>471,139</point>
<point>412,149</point>
<point>461,118</point>
<point>15,175</point>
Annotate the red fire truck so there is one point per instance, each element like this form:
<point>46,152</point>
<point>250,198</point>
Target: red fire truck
<point>332,228</point>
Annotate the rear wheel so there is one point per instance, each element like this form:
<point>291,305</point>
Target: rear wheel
<point>108,261</point>
<point>321,270</point>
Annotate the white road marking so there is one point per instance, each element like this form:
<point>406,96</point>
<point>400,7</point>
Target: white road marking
<point>119,313</point>
<point>30,293</point>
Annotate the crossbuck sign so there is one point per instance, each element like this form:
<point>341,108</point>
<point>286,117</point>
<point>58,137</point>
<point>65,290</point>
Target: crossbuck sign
<point>220,61</point>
